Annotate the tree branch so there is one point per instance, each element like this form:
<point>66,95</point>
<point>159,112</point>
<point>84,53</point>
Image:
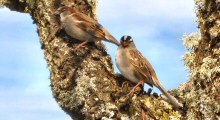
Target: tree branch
<point>84,83</point>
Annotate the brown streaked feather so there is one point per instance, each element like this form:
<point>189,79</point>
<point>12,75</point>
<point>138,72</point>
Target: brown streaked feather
<point>72,10</point>
<point>142,67</point>
<point>89,25</point>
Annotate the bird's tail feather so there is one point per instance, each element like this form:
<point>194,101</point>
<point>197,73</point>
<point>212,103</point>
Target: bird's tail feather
<point>171,99</point>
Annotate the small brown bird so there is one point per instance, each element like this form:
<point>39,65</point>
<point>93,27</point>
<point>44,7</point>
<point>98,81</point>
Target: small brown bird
<point>136,68</point>
<point>82,27</point>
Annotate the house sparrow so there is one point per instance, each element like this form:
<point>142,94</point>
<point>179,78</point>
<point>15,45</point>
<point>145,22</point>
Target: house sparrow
<point>82,27</point>
<point>136,68</point>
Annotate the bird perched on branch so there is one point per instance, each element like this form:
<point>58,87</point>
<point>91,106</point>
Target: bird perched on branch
<point>136,68</point>
<point>83,27</point>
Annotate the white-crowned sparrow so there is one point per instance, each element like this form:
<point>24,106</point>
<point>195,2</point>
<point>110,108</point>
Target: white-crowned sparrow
<point>83,27</point>
<point>136,68</point>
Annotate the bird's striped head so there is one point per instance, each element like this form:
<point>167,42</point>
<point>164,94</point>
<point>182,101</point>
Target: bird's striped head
<point>126,40</point>
<point>63,9</point>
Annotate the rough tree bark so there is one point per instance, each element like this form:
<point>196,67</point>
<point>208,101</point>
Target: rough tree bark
<point>84,83</point>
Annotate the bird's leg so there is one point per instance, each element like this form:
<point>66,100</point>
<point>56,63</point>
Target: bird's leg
<point>80,45</point>
<point>133,89</point>
<point>143,115</point>
<point>127,84</point>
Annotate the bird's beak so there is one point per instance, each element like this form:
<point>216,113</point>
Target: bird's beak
<point>57,12</point>
<point>125,43</point>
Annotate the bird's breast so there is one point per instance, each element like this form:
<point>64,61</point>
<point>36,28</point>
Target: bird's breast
<point>124,66</point>
<point>71,28</point>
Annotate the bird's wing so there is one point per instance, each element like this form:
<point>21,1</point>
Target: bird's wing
<point>89,25</point>
<point>142,67</point>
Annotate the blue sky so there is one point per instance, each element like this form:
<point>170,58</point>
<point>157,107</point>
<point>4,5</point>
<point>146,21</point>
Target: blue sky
<point>157,27</point>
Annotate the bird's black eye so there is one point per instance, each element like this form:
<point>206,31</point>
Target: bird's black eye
<point>63,9</point>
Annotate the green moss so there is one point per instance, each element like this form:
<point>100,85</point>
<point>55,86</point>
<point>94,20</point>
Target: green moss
<point>189,58</point>
<point>2,3</point>
<point>171,115</point>
<point>208,68</point>
<point>191,41</point>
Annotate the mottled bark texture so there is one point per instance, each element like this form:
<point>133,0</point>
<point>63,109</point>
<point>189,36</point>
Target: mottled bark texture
<point>202,93</point>
<point>84,83</point>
